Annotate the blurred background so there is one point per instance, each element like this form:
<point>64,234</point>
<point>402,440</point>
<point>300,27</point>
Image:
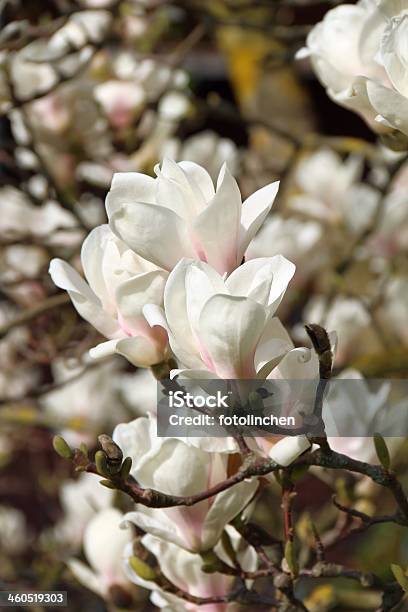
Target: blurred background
<point>93,87</point>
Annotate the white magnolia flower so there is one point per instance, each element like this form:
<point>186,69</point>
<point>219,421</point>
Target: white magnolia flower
<point>206,149</point>
<point>225,328</point>
<point>183,569</point>
<point>359,55</point>
<point>138,391</point>
<point>331,191</point>
<point>80,499</point>
<point>82,407</point>
<point>21,218</point>
<point>353,410</point>
<point>174,467</point>
<point>104,544</point>
<point>13,530</point>
<point>180,214</point>
<point>294,239</point>
<point>120,284</point>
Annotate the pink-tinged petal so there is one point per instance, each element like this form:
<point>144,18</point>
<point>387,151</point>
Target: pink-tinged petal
<point>254,212</point>
<point>154,232</point>
<point>216,229</point>
<point>230,328</point>
<point>272,346</point>
<point>264,280</point>
<point>129,187</point>
<point>83,298</point>
<point>298,364</point>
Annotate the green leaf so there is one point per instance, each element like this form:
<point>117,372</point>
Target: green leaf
<point>126,467</point>
<point>382,451</point>
<point>290,556</point>
<point>101,463</point>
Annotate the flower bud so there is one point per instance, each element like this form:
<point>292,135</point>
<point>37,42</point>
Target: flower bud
<point>142,569</point>
<point>62,448</point>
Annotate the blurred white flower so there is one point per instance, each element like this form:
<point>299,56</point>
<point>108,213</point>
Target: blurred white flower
<point>121,101</point>
<point>359,55</point>
<point>352,407</point>
<point>104,543</point>
<point>206,149</point>
<point>180,214</point>
<point>20,218</point>
<point>80,499</point>
<point>330,191</point>
<point>120,284</point>
<point>225,328</point>
<point>138,391</point>
<point>294,239</point>
<point>183,568</point>
<point>13,530</point>
<point>175,467</point>
<point>81,408</point>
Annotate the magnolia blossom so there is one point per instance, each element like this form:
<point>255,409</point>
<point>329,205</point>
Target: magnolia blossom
<point>184,570</point>
<point>173,466</point>
<point>121,101</point>
<point>81,500</point>
<point>206,149</point>
<point>331,191</point>
<point>180,214</point>
<point>295,239</point>
<point>13,531</point>
<point>21,218</point>
<point>355,409</point>
<point>360,56</point>
<point>225,328</point>
<point>120,284</point>
<point>83,404</point>
<point>104,543</point>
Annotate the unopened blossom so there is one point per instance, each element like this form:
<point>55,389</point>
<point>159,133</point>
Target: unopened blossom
<point>119,284</point>
<point>184,570</point>
<point>359,54</point>
<point>121,101</point>
<point>104,543</point>
<point>181,214</point>
<point>172,466</point>
<point>225,328</point>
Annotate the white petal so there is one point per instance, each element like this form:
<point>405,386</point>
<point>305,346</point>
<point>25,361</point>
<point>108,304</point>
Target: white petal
<point>230,328</point>
<point>153,232</point>
<point>216,229</point>
<point>200,177</point>
<point>134,294</point>
<point>254,212</point>
<point>83,298</point>
<point>104,542</point>
<point>128,187</point>
<point>273,344</point>
<point>287,450</point>
<point>87,577</point>
<point>141,351</point>
<point>264,280</point>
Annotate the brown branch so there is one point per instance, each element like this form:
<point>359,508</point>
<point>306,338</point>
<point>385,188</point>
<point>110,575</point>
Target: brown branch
<point>32,313</point>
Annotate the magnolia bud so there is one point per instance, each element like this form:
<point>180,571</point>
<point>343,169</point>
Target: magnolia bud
<point>62,448</point>
<point>142,569</point>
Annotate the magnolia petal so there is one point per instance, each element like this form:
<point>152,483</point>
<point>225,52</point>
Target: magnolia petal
<point>129,187</point>
<point>287,450</point>
<point>140,351</point>
<point>225,507</point>
<point>229,349</point>
<point>87,577</point>
<point>216,228</point>
<point>154,232</point>
<point>104,542</point>
<point>199,177</point>
<point>254,212</point>
<point>104,349</point>
<point>83,298</point>
<point>264,280</point>
<point>135,293</point>
<point>273,344</point>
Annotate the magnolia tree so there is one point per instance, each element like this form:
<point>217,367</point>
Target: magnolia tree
<point>199,239</point>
